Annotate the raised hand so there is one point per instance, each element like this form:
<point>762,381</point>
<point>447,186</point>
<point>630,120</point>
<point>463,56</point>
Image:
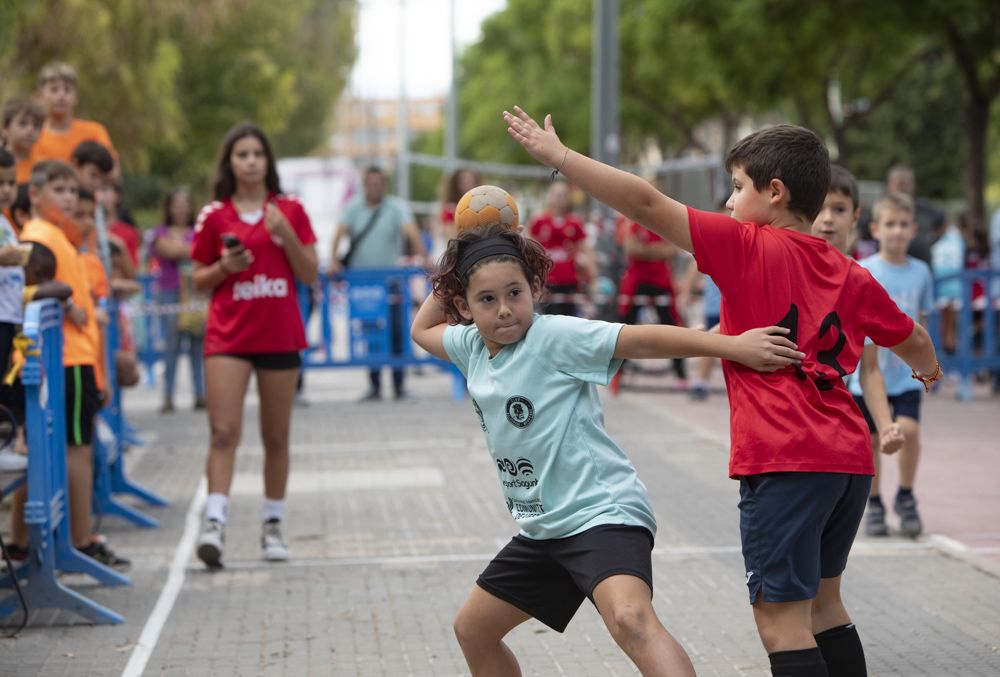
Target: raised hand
<point>275,221</point>
<point>766,349</point>
<point>542,143</point>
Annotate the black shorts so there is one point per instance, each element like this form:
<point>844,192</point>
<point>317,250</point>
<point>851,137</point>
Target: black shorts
<point>796,528</point>
<point>906,404</point>
<point>549,579</point>
<point>83,401</point>
<point>268,361</point>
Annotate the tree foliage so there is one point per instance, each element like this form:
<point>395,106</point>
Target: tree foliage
<point>168,79</point>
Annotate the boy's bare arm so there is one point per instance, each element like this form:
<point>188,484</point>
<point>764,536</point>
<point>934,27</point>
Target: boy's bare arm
<point>877,401</point>
<point>917,350</point>
<point>625,192</point>
<point>764,349</point>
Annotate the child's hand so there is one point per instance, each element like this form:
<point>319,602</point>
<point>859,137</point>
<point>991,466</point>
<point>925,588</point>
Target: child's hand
<point>275,221</point>
<point>543,144</point>
<point>891,439</point>
<point>765,349</point>
<point>236,259</point>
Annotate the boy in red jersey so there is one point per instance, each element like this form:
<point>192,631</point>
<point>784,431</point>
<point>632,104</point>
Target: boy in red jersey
<point>799,448</point>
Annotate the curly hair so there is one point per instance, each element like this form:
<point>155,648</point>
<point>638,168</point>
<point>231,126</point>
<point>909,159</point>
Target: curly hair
<point>448,283</point>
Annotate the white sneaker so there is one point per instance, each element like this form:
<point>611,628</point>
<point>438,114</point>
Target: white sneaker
<point>11,461</point>
<point>272,543</point>
<point>212,543</point>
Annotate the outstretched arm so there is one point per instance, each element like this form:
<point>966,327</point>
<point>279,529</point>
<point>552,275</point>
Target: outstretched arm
<point>764,349</point>
<point>918,352</point>
<point>625,192</point>
<point>428,328</point>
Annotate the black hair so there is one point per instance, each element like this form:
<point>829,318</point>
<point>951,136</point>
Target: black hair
<point>7,159</point>
<point>224,183</point>
<point>842,181</point>
<point>85,194</point>
<point>41,265</point>
<point>93,153</point>
<point>795,156</point>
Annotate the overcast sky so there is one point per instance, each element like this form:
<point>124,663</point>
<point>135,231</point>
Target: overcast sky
<point>427,42</point>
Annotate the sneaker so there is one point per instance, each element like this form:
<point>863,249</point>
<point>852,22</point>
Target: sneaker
<point>875,520</point>
<point>11,461</point>
<point>212,543</point>
<point>371,396</point>
<point>272,542</point>
<point>698,392</point>
<point>98,550</point>
<point>199,403</point>
<point>16,552</point>
<point>909,518</point>
<point>167,408</point>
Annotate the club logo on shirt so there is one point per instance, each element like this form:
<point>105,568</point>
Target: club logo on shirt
<point>520,411</point>
<point>479,413</point>
<point>261,287</point>
<point>521,466</point>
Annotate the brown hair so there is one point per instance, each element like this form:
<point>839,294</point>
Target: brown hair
<point>44,173</point>
<point>795,156</point>
<point>168,204</point>
<point>224,183</point>
<point>897,200</point>
<point>843,182</point>
<point>17,105</point>
<point>451,194</point>
<point>57,71</point>
<point>448,283</point>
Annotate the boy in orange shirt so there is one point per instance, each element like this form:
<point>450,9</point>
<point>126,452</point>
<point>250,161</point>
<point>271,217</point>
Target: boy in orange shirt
<point>57,91</point>
<point>54,193</point>
<point>22,124</point>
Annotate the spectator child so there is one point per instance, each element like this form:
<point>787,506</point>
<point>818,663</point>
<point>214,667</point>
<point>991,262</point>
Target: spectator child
<point>909,283</point>
<point>562,234</point>
<point>586,525</point>
<point>62,132</point>
<point>799,449</point>
<point>53,193</point>
<point>22,123</point>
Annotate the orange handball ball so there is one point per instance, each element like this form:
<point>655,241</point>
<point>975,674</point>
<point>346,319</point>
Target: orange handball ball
<point>485,206</point>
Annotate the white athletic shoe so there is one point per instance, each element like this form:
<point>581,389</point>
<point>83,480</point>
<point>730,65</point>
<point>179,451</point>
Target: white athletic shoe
<point>11,461</point>
<point>212,543</point>
<point>272,543</point>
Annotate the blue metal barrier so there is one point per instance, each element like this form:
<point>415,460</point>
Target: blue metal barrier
<point>970,357</point>
<point>109,447</point>
<point>50,549</point>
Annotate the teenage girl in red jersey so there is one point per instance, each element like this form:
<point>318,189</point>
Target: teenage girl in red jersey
<point>250,246</point>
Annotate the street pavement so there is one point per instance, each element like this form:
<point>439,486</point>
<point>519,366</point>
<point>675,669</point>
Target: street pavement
<point>394,508</point>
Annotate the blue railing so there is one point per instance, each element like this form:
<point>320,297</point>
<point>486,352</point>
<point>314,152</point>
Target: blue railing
<point>50,550</point>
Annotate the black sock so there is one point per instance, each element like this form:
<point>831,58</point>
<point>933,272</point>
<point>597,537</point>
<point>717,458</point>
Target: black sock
<point>842,650</point>
<point>904,492</point>
<point>875,500</point>
<point>798,663</point>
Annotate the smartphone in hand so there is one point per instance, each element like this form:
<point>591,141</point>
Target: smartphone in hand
<point>230,241</point>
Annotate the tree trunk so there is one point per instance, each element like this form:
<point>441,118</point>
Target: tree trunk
<point>975,160</point>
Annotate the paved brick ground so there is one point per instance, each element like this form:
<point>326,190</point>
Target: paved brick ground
<point>394,509</point>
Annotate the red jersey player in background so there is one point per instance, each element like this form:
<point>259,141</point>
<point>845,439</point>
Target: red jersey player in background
<point>561,233</point>
<point>800,447</point>
<point>648,282</point>
<point>250,246</point>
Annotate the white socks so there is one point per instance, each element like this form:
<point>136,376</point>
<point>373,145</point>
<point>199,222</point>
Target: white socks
<point>274,509</point>
<point>217,507</point>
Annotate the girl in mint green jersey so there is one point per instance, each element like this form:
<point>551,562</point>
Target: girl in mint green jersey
<point>585,520</point>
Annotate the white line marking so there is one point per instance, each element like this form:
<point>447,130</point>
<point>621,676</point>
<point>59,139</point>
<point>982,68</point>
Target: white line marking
<point>168,596</point>
<point>947,543</point>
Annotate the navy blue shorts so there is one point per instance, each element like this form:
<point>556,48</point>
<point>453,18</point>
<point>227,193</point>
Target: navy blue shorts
<point>797,528</point>
<point>711,321</point>
<point>549,579</point>
<point>907,404</point>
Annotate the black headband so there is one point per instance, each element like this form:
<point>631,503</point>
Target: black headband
<point>477,251</point>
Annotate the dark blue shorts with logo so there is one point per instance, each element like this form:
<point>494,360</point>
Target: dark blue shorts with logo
<point>796,528</point>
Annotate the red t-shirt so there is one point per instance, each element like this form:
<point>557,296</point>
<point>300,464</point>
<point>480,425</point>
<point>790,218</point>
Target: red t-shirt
<point>561,238</point>
<point>255,311</point>
<point>799,418</point>
<point>130,236</point>
<point>644,271</point>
